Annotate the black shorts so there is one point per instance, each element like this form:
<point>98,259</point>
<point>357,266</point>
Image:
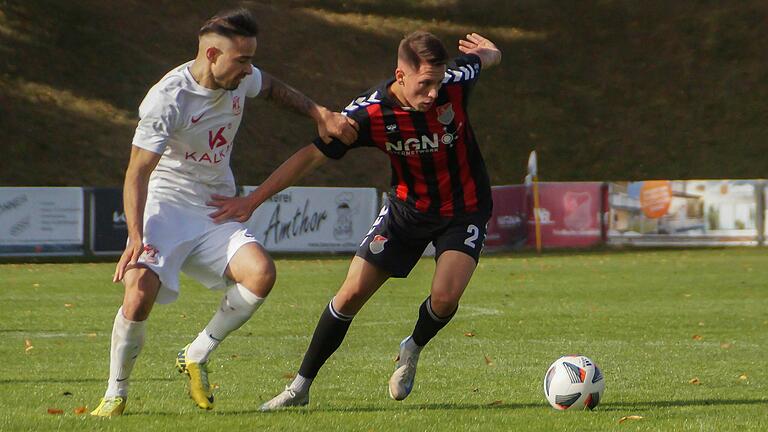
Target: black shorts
<point>399,236</point>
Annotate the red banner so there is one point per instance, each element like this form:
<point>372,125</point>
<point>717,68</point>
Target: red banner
<point>507,228</point>
<point>570,214</point>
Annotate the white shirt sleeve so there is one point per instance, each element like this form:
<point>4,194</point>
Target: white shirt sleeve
<point>254,83</point>
<point>158,117</point>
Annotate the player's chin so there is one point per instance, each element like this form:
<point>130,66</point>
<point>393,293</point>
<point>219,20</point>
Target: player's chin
<point>425,106</point>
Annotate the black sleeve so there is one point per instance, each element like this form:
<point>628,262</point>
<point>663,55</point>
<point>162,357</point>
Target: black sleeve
<point>464,71</point>
<point>334,149</point>
<point>337,149</point>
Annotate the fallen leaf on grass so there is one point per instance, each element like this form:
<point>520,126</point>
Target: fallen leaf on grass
<point>55,411</point>
<point>743,377</point>
<point>694,381</point>
<point>632,417</point>
<point>27,345</point>
<point>91,335</point>
<point>289,376</point>
<point>215,386</point>
<point>68,305</point>
<point>726,345</point>
<point>81,410</point>
<point>469,334</point>
<point>698,337</point>
<point>495,403</point>
<point>234,356</point>
<point>488,361</point>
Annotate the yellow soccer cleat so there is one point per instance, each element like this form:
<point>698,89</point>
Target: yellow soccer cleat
<point>110,407</point>
<point>199,388</point>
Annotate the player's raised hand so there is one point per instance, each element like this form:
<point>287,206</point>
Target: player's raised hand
<point>128,259</point>
<point>230,208</point>
<point>335,125</point>
<point>476,44</point>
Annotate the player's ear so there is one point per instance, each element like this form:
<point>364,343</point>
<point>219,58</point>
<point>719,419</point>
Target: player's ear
<point>212,53</point>
<point>399,74</point>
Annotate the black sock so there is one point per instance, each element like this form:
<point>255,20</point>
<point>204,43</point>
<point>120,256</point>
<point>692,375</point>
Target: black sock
<point>429,323</point>
<point>329,333</point>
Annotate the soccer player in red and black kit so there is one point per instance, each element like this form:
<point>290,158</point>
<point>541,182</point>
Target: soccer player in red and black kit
<point>440,194</point>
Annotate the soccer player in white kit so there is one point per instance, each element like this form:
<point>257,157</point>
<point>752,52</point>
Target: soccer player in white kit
<point>180,163</point>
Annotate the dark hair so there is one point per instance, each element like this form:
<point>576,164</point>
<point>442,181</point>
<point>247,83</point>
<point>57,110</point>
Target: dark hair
<point>421,46</point>
<point>235,22</point>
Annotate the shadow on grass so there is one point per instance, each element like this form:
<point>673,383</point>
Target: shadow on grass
<point>623,406</point>
<point>72,380</point>
<point>462,407</point>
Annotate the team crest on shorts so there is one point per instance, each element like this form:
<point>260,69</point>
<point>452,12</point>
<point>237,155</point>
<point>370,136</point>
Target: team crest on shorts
<point>149,255</point>
<point>377,244</point>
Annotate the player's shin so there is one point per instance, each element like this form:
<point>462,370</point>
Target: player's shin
<point>429,323</point>
<point>127,341</point>
<point>329,333</point>
<point>237,307</point>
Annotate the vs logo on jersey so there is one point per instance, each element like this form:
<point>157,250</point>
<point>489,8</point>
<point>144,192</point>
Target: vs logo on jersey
<point>217,140</point>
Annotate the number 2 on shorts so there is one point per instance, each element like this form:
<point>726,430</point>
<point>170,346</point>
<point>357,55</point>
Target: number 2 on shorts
<point>474,233</point>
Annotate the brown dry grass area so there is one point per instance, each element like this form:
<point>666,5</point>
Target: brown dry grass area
<point>602,89</point>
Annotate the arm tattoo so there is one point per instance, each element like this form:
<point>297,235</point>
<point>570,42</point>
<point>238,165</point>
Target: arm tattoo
<point>289,97</point>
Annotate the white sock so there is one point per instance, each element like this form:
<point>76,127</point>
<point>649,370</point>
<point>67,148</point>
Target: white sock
<point>411,346</point>
<point>127,341</point>
<point>236,308</point>
<point>301,384</point>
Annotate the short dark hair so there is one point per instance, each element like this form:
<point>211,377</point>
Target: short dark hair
<point>422,47</point>
<point>230,23</point>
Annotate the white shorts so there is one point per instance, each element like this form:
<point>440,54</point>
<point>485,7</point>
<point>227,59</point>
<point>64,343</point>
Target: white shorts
<point>180,239</point>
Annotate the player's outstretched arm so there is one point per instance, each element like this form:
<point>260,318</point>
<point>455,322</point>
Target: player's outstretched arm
<point>476,44</point>
<point>292,170</point>
<point>140,167</point>
<point>329,124</point>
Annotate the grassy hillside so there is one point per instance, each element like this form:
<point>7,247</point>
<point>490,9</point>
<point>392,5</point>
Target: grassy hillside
<point>601,89</point>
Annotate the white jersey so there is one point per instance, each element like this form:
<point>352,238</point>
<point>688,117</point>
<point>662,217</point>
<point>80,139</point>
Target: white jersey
<point>194,128</point>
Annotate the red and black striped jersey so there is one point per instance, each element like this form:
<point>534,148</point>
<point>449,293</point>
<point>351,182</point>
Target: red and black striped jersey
<point>436,163</point>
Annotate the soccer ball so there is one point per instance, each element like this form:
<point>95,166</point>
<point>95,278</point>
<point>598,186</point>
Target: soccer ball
<point>574,382</point>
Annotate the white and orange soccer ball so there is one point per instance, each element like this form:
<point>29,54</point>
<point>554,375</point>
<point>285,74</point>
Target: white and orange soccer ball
<point>574,382</point>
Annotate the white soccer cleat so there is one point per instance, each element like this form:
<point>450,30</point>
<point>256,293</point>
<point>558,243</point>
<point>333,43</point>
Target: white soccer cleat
<point>401,382</point>
<point>288,398</point>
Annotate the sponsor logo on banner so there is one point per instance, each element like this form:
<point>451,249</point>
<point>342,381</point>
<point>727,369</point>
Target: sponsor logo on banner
<point>578,210</point>
<point>41,220</point>
<point>655,198</point>
<point>314,219</point>
<point>344,228</point>
<point>301,222</point>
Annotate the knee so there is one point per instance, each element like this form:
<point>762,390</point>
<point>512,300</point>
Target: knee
<point>444,304</point>
<point>261,278</point>
<point>140,294</point>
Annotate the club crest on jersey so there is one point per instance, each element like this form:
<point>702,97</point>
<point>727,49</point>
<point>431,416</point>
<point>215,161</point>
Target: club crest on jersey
<point>377,244</point>
<point>149,255</point>
<point>445,114</point>
<point>236,109</point>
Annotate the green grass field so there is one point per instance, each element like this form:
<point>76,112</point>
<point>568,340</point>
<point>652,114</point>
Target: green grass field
<point>653,320</point>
